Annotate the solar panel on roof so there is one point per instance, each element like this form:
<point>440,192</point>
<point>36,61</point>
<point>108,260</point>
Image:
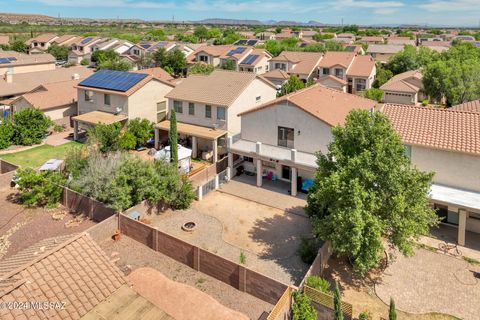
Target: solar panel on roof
<point>12,58</point>
<point>113,80</point>
<point>86,40</point>
<point>236,50</point>
<point>252,42</point>
<point>250,59</point>
<point>4,60</point>
<point>241,42</point>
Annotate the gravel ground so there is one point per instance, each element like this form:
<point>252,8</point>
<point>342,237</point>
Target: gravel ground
<point>132,255</point>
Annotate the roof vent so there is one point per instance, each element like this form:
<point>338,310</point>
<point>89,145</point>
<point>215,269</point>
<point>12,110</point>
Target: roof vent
<point>75,76</point>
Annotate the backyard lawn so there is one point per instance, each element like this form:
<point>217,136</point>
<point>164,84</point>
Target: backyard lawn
<point>37,156</point>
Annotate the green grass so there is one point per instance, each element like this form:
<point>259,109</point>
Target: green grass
<point>37,156</point>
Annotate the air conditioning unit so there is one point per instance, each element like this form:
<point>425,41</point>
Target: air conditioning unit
<point>118,110</point>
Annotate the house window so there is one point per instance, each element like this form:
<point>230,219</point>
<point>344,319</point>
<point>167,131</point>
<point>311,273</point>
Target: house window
<point>360,84</point>
<point>280,66</point>
<point>285,137</point>
<point>203,58</point>
<point>257,99</point>
<point>326,71</point>
<point>248,159</point>
<point>221,113</point>
<point>339,73</point>
<point>106,99</point>
<point>408,151</point>
<point>161,111</point>
<point>178,106</point>
<point>191,108</point>
<point>88,95</point>
<point>208,111</point>
<point>136,52</point>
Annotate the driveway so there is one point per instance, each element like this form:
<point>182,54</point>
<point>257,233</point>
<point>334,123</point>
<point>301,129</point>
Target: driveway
<point>432,282</point>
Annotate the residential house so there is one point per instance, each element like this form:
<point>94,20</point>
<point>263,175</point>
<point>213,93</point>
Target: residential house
<point>247,42</point>
<point>267,35</point>
<point>13,62</point>
<point>355,48</point>
<point>401,41</point>
<point>446,142</point>
<point>41,43</point>
<point>344,38</point>
<point>145,48</point>
<point>118,96</point>
<point>13,85</point>
<point>301,64</point>
<point>383,52</point>
<point>69,277</point>
<point>279,139</point>
<point>57,100</point>
<point>372,40</point>
<point>346,71</point>
<point>308,34</point>
<point>472,106</point>
<point>404,88</point>
<point>66,40</point>
<point>207,108</point>
<point>117,45</point>
<point>257,61</point>
<point>82,49</point>
<point>209,54</point>
<point>439,46</point>
<point>247,34</point>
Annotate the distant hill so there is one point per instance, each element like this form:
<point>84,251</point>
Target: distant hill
<point>25,17</point>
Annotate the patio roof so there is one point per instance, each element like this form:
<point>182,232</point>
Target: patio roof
<point>458,197</point>
<point>193,130</point>
<point>97,117</point>
<point>274,153</point>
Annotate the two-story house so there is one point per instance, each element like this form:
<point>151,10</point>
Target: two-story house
<point>83,49</point>
<point>279,138</point>
<point>207,108</point>
<point>66,40</point>
<point>301,64</point>
<point>445,142</point>
<point>404,88</point>
<point>117,45</point>
<point>347,71</point>
<point>118,96</point>
<point>41,43</point>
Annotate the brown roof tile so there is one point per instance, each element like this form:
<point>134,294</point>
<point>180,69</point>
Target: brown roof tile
<point>362,66</point>
<point>472,106</point>
<point>409,81</point>
<point>329,105</point>
<point>436,128</point>
<point>306,62</point>
<point>332,58</point>
<point>52,95</point>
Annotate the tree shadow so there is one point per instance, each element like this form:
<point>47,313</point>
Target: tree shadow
<point>280,236</point>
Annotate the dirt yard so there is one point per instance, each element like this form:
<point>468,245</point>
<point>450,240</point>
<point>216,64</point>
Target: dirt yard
<point>360,291</point>
<point>230,226</point>
<point>130,255</point>
<point>22,227</point>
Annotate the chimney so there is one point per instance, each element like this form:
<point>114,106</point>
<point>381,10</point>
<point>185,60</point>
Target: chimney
<point>9,77</point>
<point>75,76</point>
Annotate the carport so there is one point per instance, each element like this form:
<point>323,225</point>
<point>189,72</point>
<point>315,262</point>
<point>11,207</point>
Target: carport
<point>91,119</point>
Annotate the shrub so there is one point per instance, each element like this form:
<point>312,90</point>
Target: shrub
<point>105,136</point>
<point>6,134</point>
<point>127,141</point>
<point>365,315</point>
<point>337,304</point>
<point>302,308</point>
<point>392,313</point>
<point>141,129</point>
<point>75,161</point>
<point>70,64</point>
<point>308,250</point>
<point>243,258</point>
<point>374,94</point>
<point>30,126</point>
<point>425,102</point>
<point>318,283</point>
<point>84,62</point>
<point>58,127</point>
<point>39,188</point>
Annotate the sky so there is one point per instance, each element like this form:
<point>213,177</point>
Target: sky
<point>363,12</point>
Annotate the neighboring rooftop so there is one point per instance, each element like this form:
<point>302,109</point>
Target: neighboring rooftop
<point>15,59</point>
<point>221,87</point>
<point>329,105</point>
<point>305,62</point>
<point>409,81</point>
<point>46,37</point>
<point>472,106</point>
<point>362,66</point>
<point>437,128</point>
<point>332,58</point>
<point>384,48</point>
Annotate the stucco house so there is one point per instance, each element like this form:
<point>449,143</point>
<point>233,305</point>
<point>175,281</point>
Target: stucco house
<point>404,88</point>
<point>41,43</point>
<point>118,96</point>
<point>301,64</point>
<point>83,49</point>
<point>207,108</point>
<point>383,52</point>
<point>347,71</point>
<point>13,62</point>
<point>446,142</point>
<point>279,138</point>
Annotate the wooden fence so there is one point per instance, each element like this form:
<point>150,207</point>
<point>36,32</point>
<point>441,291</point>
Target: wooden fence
<point>7,172</point>
<point>80,203</point>
<point>326,300</point>
<point>282,309</point>
<point>236,275</point>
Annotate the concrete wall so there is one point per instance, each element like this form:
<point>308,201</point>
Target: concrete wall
<point>143,103</point>
<point>311,134</point>
<point>80,203</point>
<point>97,103</point>
<point>453,169</point>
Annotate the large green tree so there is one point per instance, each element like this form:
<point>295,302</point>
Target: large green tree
<point>201,68</point>
<point>30,126</point>
<point>201,32</point>
<point>411,58</point>
<point>291,85</point>
<point>366,191</point>
<point>173,61</point>
<point>59,52</point>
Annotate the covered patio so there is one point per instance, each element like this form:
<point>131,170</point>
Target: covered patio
<point>206,143</point>
<point>91,119</point>
<point>459,209</point>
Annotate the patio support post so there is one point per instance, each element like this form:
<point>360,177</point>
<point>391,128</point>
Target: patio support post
<point>462,223</point>
<point>259,172</point>
<point>194,147</point>
<point>200,193</point>
<point>230,164</point>
<point>157,138</point>
<point>215,150</point>
<point>294,182</point>
<point>75,130</point>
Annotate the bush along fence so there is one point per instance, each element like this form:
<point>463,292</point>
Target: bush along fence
<point>323,303</point>
<point>7,172</point>
<point>231,273</point>
<point>79,203</point>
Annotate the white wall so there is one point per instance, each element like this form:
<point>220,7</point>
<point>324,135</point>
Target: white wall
<point>97,103</point>
<point>262,125</point>
<point>453,169</point>
<point>143,103</point>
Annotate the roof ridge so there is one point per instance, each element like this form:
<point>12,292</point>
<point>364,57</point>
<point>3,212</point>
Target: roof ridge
<point>430,108</point>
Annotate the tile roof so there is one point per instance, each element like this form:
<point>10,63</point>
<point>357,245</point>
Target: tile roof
<point>445,129</point>
<point>25,82</point>
<point>26,59</point>
<point>402,82</point>
<point>157,72</point>
<point>70,269</point>
<point>65,39</point>
<point>52,95</point>
<point>372,39</point>
<point>332,58</point>
<point>46,37</point>
<point>472,106</point>
<point>333,78</point>
<point>329,105</point>
<point>362,66</point>
<point>215,51</point>
<point>384,48</point>
<point>221,87</point>
<point>276,74</point>
<point>306,62</point>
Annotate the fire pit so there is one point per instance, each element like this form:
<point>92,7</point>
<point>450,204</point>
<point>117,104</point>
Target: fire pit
<point>189,226</point>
